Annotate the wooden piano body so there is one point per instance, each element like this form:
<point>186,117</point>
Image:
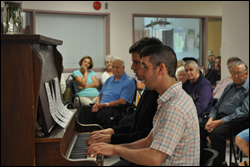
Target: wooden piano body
<point>27,62</point>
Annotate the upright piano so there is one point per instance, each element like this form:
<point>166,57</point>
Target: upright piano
<point>27,63</point>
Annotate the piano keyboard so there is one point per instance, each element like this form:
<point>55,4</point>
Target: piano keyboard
<point>79,148</point>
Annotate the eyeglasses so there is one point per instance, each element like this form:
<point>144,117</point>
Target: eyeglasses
<point>240,73</point>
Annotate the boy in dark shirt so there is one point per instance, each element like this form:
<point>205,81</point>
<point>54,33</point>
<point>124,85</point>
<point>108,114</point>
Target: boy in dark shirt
<point>143,119</point>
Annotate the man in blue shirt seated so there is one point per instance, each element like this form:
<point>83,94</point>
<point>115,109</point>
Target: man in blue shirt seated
<point>118,89</point>
<point>234,101</point>
<point>199,88</point>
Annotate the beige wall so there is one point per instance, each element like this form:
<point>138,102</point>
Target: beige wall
<point>214,37</point>
<point>235,21</point>
<point>235,32</point>
<point>121,16</point>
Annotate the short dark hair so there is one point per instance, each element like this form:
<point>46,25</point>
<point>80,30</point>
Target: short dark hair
<point>232,59</point>
<point>218,57</point>
<point>143,42</point>
<point>161,54</point>
<point>87,57</point>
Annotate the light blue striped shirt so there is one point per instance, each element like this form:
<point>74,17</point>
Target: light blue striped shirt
<point>233,102</point>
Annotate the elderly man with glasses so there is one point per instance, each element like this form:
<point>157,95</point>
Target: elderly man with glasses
<point>234,101</point>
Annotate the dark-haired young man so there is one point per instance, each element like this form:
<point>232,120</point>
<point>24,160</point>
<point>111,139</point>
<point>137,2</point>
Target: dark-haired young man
<point>174,139</point>
<point>145,110</point>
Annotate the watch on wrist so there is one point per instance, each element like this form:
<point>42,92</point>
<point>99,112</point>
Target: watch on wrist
<point>107,104</point>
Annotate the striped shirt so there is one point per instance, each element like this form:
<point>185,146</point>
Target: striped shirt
<point>233,102</point>
<point>176,128</point>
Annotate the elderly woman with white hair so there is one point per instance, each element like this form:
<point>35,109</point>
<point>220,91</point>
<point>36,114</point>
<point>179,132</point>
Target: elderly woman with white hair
<point>180,74</point>
<point>109,71</point>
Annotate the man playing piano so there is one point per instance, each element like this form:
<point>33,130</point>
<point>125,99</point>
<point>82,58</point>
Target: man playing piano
<point>145,110</point>
<point>174,139</point>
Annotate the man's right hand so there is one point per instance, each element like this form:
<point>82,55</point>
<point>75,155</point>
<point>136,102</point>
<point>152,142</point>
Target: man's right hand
<point>100,136</point>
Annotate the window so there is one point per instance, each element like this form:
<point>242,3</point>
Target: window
<point>182,34</point>
<point>81,35</point>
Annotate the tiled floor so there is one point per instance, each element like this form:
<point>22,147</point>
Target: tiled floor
<point>111,160</point>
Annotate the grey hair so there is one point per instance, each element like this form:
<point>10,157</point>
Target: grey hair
<point>232,59</point>
<point>181,68</point>
<point>192,62</point>
<point>239,63</point>
<point>108,57</point>
<point>118,58</point>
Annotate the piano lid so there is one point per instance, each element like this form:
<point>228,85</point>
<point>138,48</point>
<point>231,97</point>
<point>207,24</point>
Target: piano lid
<point>31,38</point>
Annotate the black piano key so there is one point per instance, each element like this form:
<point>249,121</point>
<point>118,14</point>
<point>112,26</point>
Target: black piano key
<point>80,148</point>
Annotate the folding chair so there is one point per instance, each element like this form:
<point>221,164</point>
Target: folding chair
<point>69,94</point>
<point>241,118</point>
<point>208,157</point>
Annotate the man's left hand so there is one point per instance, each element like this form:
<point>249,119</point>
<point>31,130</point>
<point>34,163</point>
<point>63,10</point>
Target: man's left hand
<point>215,124</point>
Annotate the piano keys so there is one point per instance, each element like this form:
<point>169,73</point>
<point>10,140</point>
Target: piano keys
<point>57,148</point>
<point>79,148</point>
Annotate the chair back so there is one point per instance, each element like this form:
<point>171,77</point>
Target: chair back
<point>69,94</point>
<point>208,156</point>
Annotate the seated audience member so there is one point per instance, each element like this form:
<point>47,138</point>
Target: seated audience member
<point>211,57</point>
<point>85,82</point>
<point>199,88</point>
<point>180,63</point>
<point>242,141</point>
<point>214,75</point>
<point>225,81</point>
<point>234,101</point>
<point>210,65</point>
<point>180,74</point>
<point>176,110</point>
<point>118,89</point>
<point>145,110</point>
<point>109,70</point>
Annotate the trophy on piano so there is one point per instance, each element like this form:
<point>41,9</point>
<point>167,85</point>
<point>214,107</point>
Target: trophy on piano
<point>12,20</point>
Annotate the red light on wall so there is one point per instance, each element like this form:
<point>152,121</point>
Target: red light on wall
<point>97,5</point>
